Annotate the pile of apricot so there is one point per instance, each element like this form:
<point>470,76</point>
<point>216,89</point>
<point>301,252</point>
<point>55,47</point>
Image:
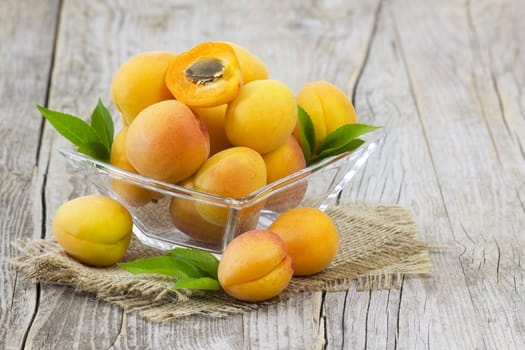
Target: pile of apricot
<point>212,120</point>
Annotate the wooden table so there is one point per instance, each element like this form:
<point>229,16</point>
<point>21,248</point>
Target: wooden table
<point>445,78</point>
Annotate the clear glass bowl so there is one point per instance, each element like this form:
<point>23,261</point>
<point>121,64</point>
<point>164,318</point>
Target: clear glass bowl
<point>167,215</point>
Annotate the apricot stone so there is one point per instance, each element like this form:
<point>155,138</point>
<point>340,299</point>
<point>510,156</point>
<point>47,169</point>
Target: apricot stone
<point>130,193</point>
<point>139,82</point>
<point>167,142</point>
<point>94,229</point>
<point>262,116</point>
<point>328,108</point>
<point>255,266</point>
<point>310,236</point>
<point>233,173</point>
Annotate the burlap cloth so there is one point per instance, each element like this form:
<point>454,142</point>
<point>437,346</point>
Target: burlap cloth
<point>378,246</point>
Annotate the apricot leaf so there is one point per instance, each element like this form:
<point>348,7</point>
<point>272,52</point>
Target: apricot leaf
<point>202,283</point>
<point>306,133</point>
<point>350,146</point>
<point>93,140</point>
<point>163,265</point>
<point>199,258</point>
<point>102,123</point>
<point>344,134</point>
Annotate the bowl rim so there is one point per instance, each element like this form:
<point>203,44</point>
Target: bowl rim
<point>371,139</point>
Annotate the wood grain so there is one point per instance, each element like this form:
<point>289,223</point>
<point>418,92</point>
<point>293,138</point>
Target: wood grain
<point>445,79</point>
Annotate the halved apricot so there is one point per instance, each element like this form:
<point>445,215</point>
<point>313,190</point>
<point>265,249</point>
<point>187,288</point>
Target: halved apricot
<point>205,76</point>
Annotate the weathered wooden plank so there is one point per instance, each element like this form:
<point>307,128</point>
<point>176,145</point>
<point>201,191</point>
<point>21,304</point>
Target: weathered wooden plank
<point>26,37</point>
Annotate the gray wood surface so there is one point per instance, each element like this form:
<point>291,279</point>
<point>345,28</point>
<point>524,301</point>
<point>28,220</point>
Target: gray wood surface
<point>445,78</point>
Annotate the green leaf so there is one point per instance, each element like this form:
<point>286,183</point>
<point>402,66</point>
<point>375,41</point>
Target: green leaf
<point>102,123</point>
<point>71,127</point>
<point>164,265</point>
<point>200,259</point>
<point>202,283</point>
<point>306,133</point>
<point>343,135</point>
<point>350,146</point>
<point>95,150</point>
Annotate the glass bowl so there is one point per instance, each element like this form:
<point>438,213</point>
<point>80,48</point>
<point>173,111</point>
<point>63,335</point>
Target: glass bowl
<point>167,215</point>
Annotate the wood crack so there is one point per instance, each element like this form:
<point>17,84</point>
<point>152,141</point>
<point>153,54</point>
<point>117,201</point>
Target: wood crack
<point>396,339</point>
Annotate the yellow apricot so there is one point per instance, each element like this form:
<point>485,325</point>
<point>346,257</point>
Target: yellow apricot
<point>233,173</point>
<point>310,236</point>
<point>285,160</point>
<point>139,82</point>
<point>252,67</point>
<point>186,218</point>
<point>130,193</point>
<point>328,108</point>
<point>94,229</point>
<point>262,116</point>
<point>255,266</point>
<point>167,142</point>
<point>213,118</point>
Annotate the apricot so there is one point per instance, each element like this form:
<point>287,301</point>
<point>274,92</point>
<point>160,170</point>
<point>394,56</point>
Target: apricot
<point>205,76</point>
<point>139,82</point>
<point>255,266</point>
<point>213,118</point>
<point>186,218</point>
<point>252,67</point>
<point>167,142</point>
<point>130,193</point>
<point>328,108</point>
<point>94,229</point>
<point>233,173</point>
<point>310,236</point>
<point>262,116</point>
<point>285,160</point>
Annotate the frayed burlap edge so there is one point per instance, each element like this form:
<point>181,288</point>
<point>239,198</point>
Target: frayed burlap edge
<point>378,246</point>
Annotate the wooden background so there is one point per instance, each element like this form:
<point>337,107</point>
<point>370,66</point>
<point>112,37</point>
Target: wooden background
<point>445,78</point>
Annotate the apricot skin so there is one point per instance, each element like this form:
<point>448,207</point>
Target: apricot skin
<point>252,67</point>
<point>167,142</point>
<point>95,229</point>
<point>262,116</point>
<point>233,173</point>
<point>139,82</point>
<point>131,194</point>
<point>255,266</point>
<point>310,236</point>
<point>327,106</point>
<point>213,118</point>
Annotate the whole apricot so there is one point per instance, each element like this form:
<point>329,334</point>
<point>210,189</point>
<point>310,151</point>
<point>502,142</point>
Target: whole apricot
<point>130,193</point>
<point>213,118</point>
<point>328,108</point>
<point>167,142</point>
<point>139,82</point>
<point>262,116</point>
<point>94,229</point>
<point>310,236</point>
<point>252,67</point>
<point>207,75</point>
<point>186,218</point>
<point>285,160</point>
<point>255,266</point>
<point>233,173</point>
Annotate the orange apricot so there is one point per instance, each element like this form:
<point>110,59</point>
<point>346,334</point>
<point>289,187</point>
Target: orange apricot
<point>252,67</point>
<point>328,108</point>
<point>167,142</point>
<point>255,266</point>
<point>213,118</point>
<point>140,82</point>
<point>130,193</point>
<point>262,116</point>
<point>310,236</point>
<point>205,76</point>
